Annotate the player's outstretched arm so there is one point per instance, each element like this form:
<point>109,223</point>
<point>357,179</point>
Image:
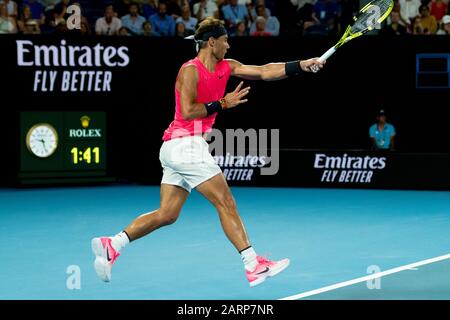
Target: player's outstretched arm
<point>272,71</point>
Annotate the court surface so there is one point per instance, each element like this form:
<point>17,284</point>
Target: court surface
<point>331,236</point>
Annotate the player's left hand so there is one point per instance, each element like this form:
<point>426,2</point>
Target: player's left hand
<point>311,64</point>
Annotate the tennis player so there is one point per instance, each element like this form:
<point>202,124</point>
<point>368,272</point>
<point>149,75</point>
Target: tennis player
<point>184,155</point>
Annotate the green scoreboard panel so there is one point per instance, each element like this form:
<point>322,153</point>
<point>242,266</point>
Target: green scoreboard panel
<point>62,147</point>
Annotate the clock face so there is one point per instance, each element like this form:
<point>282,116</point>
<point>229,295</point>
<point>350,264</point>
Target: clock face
<point>42,140</point>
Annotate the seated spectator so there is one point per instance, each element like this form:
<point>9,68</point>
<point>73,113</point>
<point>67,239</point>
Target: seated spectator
<point>149,9</point>
<point>409,9</point>
<point>124,32</point>
<point>234,13</point>
<point>438,9</point>
<point>162,23</point>
<point>37,9</point>
<point>180,30</point>
<point>122,7</point>
<point>382,133</point>
<point>190,22</point>
<point>11,8</point>
<point>445,26</point>
<point>327,12</point>
<point>61,27</point>
<point>253,13</point>
<point>7,23</point>
<point>133,21</point>
<point>312,26</point>
<point>174,7</point>
<point>427,21</point>
<point>393,27</point>
<point>260,28</point>
<point>60,11</point>
<point>26,24</point>
<point>397,11</point>
<point>205,9</point>
<point>272,23</point>
<point>109,24</point>
<point>241,30</point>
<point>416,27</point>
<point>85,29</point>
<point>148,30</point>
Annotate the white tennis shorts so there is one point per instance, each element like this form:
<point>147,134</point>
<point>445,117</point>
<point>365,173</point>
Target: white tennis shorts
<point>187,162</point>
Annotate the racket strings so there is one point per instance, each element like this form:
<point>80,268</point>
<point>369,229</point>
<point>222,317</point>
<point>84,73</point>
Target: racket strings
<point>373,14</point>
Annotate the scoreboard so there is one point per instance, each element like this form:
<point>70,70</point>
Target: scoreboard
<point>63,147</point>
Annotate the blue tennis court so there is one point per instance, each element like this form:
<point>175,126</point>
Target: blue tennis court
<point>330,235</point>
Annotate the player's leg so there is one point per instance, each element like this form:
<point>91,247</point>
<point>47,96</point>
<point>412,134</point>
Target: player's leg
<point>172,200</point>
<point>217,191</point>
<point>106,249</point>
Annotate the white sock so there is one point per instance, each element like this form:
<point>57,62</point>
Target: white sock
<point>119,241</point>
<point>249,258</point>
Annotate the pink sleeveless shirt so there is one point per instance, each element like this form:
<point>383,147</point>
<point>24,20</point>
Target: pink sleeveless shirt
<point>211,87</point>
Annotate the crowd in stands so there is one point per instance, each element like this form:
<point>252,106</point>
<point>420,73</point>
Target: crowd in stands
<point>179,18</point>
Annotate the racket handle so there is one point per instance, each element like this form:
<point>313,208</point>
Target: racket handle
<point>323,58</point>
<point>327,54</point>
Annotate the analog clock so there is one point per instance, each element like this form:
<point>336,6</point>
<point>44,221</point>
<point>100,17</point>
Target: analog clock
<point>42,140</point>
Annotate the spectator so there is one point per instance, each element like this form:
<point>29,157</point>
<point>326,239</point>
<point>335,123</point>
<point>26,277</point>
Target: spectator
<point>272,23</point>
<point>148,30</point>
<point>60,11</point>
<point>11,8</point>
<point>109,24</point>
<point>124,32</point>
<point>85,29</point>
<point>61,27</point>
<point>393,27</point>
<point>205,9</point>
<point>312,26</point>
<point>253,15</point>
<point>260,28</point>
<point>122,7</point>
<point>416,27</point>
<point>149,9</point>
<point>162,23</point>
<point>37,9</point>
<point>409,9</point>
<point>234,13</point>
<point>180,30</point>
<point>190,22</point>
<point>397,10</point>
<point>427,21</point>
<point>26,24</point>
<point>174,7</point>
<point>241,30</point>
<point>327,12</point>
<point>133,21</point>
<point>7,23</point>
<point>438,9</point>
<point>382,133</point>
<point>445,26</point>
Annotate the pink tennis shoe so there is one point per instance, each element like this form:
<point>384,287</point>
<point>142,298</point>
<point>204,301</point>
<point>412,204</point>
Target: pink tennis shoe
<point>265,269</point>
<point>105,256</point>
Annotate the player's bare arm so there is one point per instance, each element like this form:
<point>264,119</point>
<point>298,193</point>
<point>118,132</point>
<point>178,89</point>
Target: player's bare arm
<point>190,108</point>
<point>270,71</point>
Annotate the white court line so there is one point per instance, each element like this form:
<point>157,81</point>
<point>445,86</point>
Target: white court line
<point>377,275</point>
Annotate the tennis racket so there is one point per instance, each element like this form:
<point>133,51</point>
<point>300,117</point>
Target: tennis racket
<point>368,18</point>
